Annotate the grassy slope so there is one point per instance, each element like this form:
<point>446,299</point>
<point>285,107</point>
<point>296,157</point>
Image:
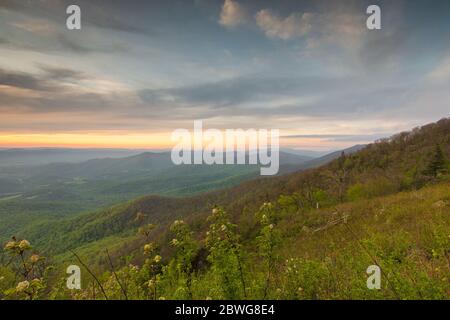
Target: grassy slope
<point>407,234</point>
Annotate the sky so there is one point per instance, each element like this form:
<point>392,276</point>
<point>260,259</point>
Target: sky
<point>137,70</point>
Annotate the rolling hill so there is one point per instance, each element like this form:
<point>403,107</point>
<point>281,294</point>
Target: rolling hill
<point>30,194</point>
<point>306,235</point>
<point>382,168</point>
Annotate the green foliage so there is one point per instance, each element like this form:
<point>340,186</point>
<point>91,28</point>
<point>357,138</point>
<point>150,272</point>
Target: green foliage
<point>268,244</point>
<point>225,256</point>
<point>438,163</point>
<point>29,269</point>
<point>179,273</point>
<point>375,208</point>
<point>276,263</point>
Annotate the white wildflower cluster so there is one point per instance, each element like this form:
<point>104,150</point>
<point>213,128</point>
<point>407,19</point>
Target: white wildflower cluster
<point>178,222</point>
<point>22,286</point>
<point>148,248</point>
<point>27,286</point>
<point>264,219</point>
<point>35,258</point>
<point>266,205</point>
<point>18,246</point>
<point>133,267</point>
<point>292,265</point>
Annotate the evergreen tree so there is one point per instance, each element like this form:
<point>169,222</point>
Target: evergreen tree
<point>437,163</point>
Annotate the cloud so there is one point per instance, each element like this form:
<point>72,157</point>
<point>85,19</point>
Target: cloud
<point>295,25</point>
<point>340,137</point>
<point>59,90</point>
<point>93,14</point>
<point>235,91</point>
<point>58,73</point>
<point>232,14</point>
<point>22,80</point>
<point>442,71</point>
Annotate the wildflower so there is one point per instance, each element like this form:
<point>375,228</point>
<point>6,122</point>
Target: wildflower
<point>178,222</point>
<point>208,298</point>
<point>22,286</point>
<point>271,226</point>
<point>174,242</point>
<point>133,267</point>
<point>223,227</point>
<point>148,248</point>
<point>34,258</point>
<point>157,258</point>
<point>10,245</point>
<point>267,205</point>
<point>24,245</point>
<point>36,282</point>
<point>162,298</point>
<point>2,278</point>
<point>215,211</point>
<point>300,289</point>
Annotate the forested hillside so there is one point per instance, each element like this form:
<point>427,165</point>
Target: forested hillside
<point>42,193</point>
<point>306,235</point>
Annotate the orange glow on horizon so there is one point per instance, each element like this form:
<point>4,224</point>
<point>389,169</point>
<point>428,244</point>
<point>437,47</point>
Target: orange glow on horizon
<point>86,140</point>
<point>161,140</point>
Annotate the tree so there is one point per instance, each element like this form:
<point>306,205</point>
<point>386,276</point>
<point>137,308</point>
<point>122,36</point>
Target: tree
<point>438,162</point>
<point>339,174</point>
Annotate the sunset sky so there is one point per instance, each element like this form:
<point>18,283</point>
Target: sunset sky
<point>139,69</point>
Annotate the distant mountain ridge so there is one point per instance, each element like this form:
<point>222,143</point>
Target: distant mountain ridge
<point>41,156</point>
<point>54,190</point>
<point>386,167</point>
<point>317,162</point>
